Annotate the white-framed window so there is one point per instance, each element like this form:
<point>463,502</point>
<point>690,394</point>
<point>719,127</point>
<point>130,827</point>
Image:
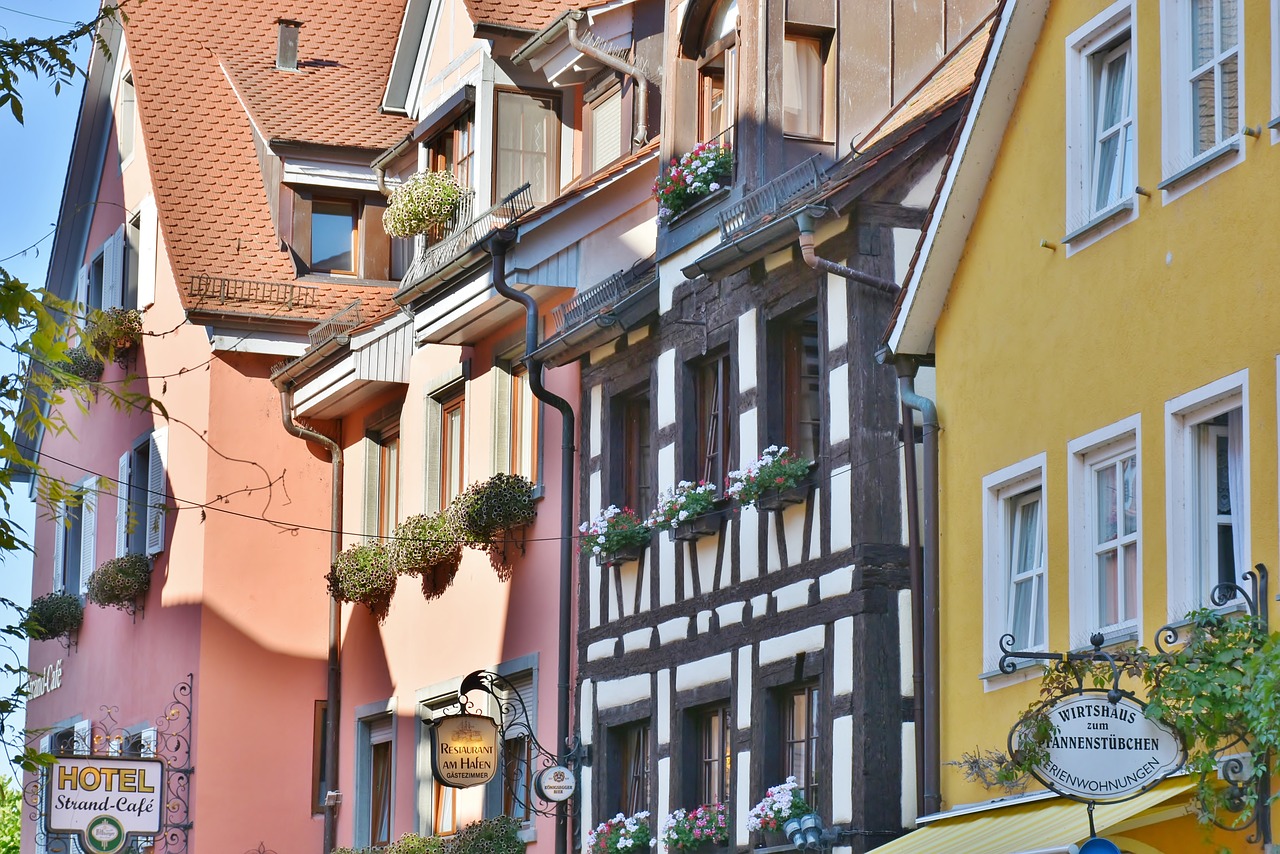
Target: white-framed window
<point>375,774</point>
<point>1202,52</point>
<point>1104,483</point>
<point>1102,144</point>
<point>1274,124</point>
<point>126,117</point>
<point>517,416</point>
<point>1207,474</point>
<point>1014,550</point>
<point>75,538</point>
<point>140,496</point>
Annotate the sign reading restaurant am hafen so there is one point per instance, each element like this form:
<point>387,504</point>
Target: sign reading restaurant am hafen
<point>464,750</point>
<point>1104,752</point>
<point>105,801</point>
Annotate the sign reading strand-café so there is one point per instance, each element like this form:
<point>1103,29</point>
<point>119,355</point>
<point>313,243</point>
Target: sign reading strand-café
<point>105,801</point>
<point>1104,751</point>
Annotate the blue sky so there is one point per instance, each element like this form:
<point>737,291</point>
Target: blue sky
<point>33,166</point>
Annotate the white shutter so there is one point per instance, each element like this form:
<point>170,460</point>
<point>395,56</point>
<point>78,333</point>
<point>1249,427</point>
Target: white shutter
<point>82,289</point>
<point>83,739</point>
<point>113,270</point>
<point>149,742</point>
<point>114,744</point>
<point>59,547</point>
<point>148,234</point>
<point>88,536</point>
<point>122,505</point>
<point>372,484</point>
<point>156,491</point>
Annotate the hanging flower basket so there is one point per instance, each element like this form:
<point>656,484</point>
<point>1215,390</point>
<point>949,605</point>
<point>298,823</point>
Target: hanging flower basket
<point>489,511</point>
<point>780,477</point>
<point>120,582</point>
<point>429,546</point>
<point>426,201</point>
<point>615,535</point>
<point>116,333</point>
<point>363,574</point>
<point>54,615</point>
<point>701,172</point>
<point>79,363</point>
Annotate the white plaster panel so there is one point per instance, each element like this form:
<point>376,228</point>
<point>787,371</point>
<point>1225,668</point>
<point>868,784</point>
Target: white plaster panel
<point>747,356</point>
<point>704,622</point>
<point>906,652</point>
<point>805,640</point>
<point>840,488</point>
<point>792,596</point>
<point>909,781</point>
<point>746,672</point>
<point>792,530</point>
<point>597,419</point>
<point>904,246</point>
<point>670,631</point>
<point>838,386</point>
<point>835,583</point>
<point>706,548</point>
<point>748,536</point>
<point>665,552</point>
<point>587,715</point>
<point>666,471</point>
<point>665,393</point>
<point>664,794</point>
<point>619,692</point>
<point>663,710</point>
<point>741,834</point>
<point>759,605</point>
<point>837,311</point>
<point>730,614</point>
<point>602,649</point>
<point>639,639</point>
<point>842,679</point>
<point>588,821</point>
<point>815,535</point>
<point>842,770</point>
<point>705,671</point>
<point>748,444</point>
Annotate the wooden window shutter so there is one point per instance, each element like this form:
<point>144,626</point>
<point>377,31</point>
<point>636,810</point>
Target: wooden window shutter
<point>113,270</point>
<point>156,491</point>
<point>433,415</point>
<point>122,505</point>
<point>59,547</point>
<point>148,240</point>
<point>88,536</point>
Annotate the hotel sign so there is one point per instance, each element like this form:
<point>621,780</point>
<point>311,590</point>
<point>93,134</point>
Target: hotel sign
<point>1104,752</point>
<point>464,750</point>
<point>105,801</point>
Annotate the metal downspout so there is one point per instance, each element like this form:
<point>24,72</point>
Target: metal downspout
<point>931,782</point>
<point>917,605</point>
<point>333,694</point>
<point>379,166</point>
<point>805,222</point>
<point>498,244</point>
<point>641,82</point>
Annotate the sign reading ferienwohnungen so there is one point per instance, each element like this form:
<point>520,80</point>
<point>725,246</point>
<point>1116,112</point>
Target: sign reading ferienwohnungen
<point>105,800</point>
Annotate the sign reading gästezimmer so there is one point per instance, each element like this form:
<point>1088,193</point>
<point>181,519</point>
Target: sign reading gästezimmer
<point>1104,751</point>
<point>464,750</point>
<point>105,800</point>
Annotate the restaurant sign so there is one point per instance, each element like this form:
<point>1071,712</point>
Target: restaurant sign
<point>1104,751</point>
<point>105,801</point>
<point>464,750</point>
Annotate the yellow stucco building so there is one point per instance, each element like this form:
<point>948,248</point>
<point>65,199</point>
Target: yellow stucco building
<point>1096,286</point>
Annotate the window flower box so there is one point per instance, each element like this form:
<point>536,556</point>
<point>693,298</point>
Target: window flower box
<point>81,364</point>
<point>120,582</point>
<point>54,615</point>
<point>779,478</point>
<point>615,536</point>
<point>489,514</point>
<point>687,511</point>
<point>429,546</point>
<point>116,333</point>
<point>424,204</point>
<point>699,829</point>
<point>780,499</point>
<point>706,169</point>
<point>363,574</point>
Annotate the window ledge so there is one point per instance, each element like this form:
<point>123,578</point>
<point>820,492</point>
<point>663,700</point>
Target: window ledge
<point>1274,124</point>
<point>1231,146</point>
<point>1022,670</point>
<point>707,201</point>
<point>1123,206</point>
<point>1235,606</point>
<point>1113,637</point>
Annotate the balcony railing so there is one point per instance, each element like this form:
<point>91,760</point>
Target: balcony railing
<point>340,323</point>
<point>467,230</point>
<point>598,299</point>
<point>223,290</point>
<point>762,204</point>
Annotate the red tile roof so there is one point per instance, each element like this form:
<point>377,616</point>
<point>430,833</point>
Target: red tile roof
<point>202,69</point>
<point>514,14</point>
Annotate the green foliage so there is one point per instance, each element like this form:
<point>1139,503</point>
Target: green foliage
<point>412,843</point>
<point>49,58</point>
<point>777,469</point>
<point>116,332</point>
<point>79,363</point>
<point>487,509</point>
<point>614,531</point>
<point>497,835</point>
<point>120,582</point>
<point>54,615</point>
<point>10,817</point>
<point>991,769</point>
<point>681,503</point>
<point>430,546</point>
<point>363,574</point>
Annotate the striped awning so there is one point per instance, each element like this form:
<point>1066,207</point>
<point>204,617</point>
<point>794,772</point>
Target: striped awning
<point>1019,829</point>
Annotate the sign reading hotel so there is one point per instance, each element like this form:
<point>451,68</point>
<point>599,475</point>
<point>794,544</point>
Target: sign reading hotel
<point>105,801</point>
<point>464,750</point>
<point>1104,752</point>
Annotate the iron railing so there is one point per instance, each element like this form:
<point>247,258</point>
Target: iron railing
<point>597,299</point>
<point>467,232</point>
<point>339,323</point>
<point>222,289</point>
<point>768,201</point>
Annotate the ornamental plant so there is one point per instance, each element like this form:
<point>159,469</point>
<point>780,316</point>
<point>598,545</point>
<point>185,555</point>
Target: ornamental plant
<point>429,546</point>
<point>120,582</point>
<point>80,363</point>
<point>116,332</point>
<point>686,830</point>
<point>54,615</point>
<point>614,531</point>
<point>363,574</point>
<point>425,201</point>
<point>779,468</point>
<point>497,835</point>
<point>487,510</point>
<point>702,171</point>
<point>621,835</point>
<point>781,802</point>
<point>682,503</point>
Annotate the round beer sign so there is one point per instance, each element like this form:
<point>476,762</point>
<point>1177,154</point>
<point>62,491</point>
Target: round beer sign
<point>1103,751</point>
<point>555,784</point>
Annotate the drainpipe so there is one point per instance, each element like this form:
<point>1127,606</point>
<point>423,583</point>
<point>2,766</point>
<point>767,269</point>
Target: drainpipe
<point>917,583</point>
<point>641,82</point>
<point>333,694</point>
<point>379,165</point>
<point>805,223</point>
<point>497,246</point>
<point>927,636</point>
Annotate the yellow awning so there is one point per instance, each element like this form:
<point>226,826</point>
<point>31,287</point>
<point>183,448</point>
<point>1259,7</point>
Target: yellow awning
<point>1037,826</point>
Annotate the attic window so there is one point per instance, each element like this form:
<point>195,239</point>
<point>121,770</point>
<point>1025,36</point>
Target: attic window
<point>334,235</point>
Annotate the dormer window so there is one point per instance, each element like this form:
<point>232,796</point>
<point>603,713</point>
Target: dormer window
<point>527,149</point>
<point>803,85</point>
<point>454,148</point>
<point>718,74</point>
<point>335,234</point>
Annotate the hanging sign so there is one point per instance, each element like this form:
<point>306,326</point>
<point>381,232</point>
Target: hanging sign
<point>105,801</point>
<point>1104,752</point>
<point>464,750</point>
<point>555,784</point>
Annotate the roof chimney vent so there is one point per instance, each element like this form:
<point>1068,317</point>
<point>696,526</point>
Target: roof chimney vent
<point>287,47</point>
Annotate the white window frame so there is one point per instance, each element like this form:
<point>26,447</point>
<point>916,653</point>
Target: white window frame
<point>1274,124</point>
<point>1182,169</point>
<point>1183,417</point>
<point>999,490</point>
<point>1086,454</point>
<point>1085,223</point>
<point>368,716</point>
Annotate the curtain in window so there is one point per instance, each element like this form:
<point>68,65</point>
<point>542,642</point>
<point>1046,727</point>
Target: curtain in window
<point>380,795</point>
<point>802,87</point>
<point>1235,484</point>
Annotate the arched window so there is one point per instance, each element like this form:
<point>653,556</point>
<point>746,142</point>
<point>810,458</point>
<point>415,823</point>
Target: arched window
<point>718,73</point>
